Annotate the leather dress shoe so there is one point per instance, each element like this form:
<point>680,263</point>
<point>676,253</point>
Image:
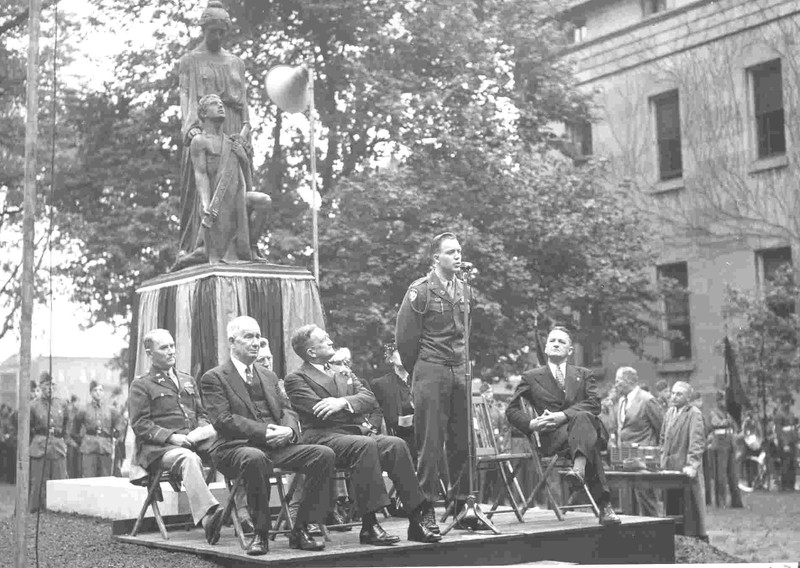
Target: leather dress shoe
<point>300,539</point>
<point>419,532</point>
<point>608,516</point>
<point>259,546</point>
<point>213,525</point>
<point>376,536</point>
<point>429,518</point>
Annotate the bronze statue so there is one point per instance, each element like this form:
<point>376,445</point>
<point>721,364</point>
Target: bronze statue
<point>221,233</point>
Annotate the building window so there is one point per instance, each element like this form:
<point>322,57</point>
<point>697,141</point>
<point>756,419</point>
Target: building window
<point>650,7</point>
<point>768,108</point>
<point>774,266</point>
<point>676,308</point>
<point>668,135</point>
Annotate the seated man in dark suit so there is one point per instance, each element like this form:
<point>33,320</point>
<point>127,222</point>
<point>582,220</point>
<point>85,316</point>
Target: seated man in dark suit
<point>332,408</point>
<point>393,392</point>
<point>164,408</point>
<point>258,430</point>
<point>565,399</point>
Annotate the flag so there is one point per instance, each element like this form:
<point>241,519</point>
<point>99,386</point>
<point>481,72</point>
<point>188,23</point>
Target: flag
<point>735,397</point>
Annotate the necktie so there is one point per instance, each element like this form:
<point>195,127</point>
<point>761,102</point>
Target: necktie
<point>449,289</point>
<point>560,377</point>
<point>328,370</point>
<point>248,375</point>
<point>622,408</point>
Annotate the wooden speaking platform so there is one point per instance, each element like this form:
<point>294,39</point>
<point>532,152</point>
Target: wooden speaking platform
<point>578,539</point>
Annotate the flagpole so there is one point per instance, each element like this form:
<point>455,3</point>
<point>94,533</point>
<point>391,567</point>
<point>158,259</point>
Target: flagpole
<point>26,287</point>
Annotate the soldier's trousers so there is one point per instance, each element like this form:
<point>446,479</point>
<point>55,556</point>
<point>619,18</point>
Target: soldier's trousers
<point>440,421</point>
<point>43,469</point>
<point>96,465</point>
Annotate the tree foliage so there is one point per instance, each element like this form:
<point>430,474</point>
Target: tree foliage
<point>767,336</point>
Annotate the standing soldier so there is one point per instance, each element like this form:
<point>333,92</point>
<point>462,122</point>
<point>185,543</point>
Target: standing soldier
<point>101,423</point>
<point>430,338</point>
<point>786,434</point>
<point>8,443</point>
<point>48,448</point>
<point>73,443</point>
<point>722,450</point>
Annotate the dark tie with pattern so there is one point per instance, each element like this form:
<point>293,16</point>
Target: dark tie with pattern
<point>248,375</point>
<point>560,377</point>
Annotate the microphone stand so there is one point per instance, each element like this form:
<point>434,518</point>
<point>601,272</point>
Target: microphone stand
<point>471,508</point>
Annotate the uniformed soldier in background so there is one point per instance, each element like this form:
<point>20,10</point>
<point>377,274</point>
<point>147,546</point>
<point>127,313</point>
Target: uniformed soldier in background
<point>8,444</point>
<point>73,442</point>
<point>101,425</point>
<point>48,451</point>
<point>430,338</point>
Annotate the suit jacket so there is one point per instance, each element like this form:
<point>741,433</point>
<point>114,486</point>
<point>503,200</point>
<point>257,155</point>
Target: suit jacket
<point>540,389</point>
<point>643,420</point>
<point>159,409</point>
<point>232,411</point>
<point>390,392</point>
<point>308,385</point>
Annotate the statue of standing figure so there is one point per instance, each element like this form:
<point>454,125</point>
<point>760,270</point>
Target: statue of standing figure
<point>222,218</point>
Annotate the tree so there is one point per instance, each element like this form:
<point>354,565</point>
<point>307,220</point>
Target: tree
<point>766,336</point>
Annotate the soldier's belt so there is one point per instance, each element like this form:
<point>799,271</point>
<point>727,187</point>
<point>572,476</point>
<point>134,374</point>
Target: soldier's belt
<point>55,432</point>
<point>98,433</point>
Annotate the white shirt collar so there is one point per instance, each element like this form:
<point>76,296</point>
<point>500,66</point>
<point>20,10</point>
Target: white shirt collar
<point>562,367</point>
<point>319,367</point>
<point>240,367</point>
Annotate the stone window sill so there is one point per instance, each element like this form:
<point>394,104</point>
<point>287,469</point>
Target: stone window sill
<point>771,163</point>
<point>676,367</point>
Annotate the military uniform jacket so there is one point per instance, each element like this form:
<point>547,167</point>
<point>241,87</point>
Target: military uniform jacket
<point>430,324</point>
<point>101,424</point>
<point>159,409</point>
<point>58,427</point>
<point>308,385</point>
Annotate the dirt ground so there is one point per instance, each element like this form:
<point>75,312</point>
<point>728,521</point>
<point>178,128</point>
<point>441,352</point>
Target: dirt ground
<point>764,531</point>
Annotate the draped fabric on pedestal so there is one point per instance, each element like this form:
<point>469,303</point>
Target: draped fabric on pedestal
<point>299,308</point>
<point>264,299</point>
<point>196,309</point>
<point>204,328</point>
<point>166,309</point>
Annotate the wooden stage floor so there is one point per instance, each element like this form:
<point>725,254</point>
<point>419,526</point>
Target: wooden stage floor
<point>578,539</point>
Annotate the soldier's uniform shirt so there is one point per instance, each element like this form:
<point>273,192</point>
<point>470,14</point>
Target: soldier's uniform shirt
<point>430,340</point>
<point>102,424</point>
<point>58,426</point>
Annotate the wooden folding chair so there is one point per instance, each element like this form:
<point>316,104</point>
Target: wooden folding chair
<point>488,456</point>
<point>560,462</point>
<point>153,482</point>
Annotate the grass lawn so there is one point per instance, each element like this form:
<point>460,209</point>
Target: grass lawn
<point>764,531</point>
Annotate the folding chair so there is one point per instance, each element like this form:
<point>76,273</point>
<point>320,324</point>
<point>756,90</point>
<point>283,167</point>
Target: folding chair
<point>488,456</point>
<point>560,462</point>
<point>153,482</point>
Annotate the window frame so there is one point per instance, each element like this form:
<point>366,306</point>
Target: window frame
<point>662,142</point>
<point>756,73</point>
<point>680,349</point>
